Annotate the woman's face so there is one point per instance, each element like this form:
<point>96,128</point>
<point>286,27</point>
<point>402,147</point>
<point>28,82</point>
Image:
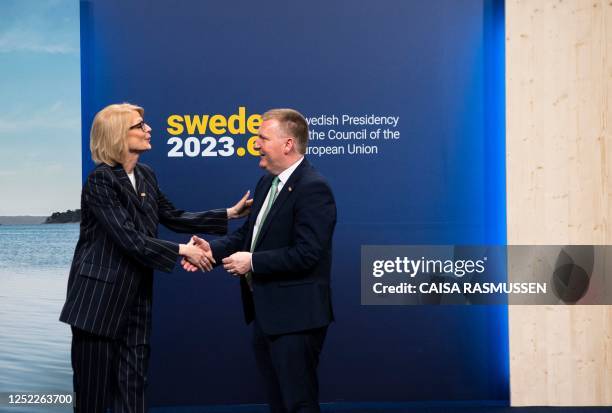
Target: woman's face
<point>139,134</point>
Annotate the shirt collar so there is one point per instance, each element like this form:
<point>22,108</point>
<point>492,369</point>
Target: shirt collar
<point>283,177</point>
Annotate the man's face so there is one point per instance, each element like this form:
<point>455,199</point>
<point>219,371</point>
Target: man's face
<point>272,146</point>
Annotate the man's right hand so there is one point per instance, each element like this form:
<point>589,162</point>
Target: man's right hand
<point>204,247</point>
<point>197,255</point>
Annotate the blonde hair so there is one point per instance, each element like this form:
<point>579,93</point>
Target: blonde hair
<point>107,139</point>
<point>293,123</point>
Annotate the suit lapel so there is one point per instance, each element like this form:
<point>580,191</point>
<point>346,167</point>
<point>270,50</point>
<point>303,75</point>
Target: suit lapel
<point>284,194</point>
<point>147,192</point>
<point>121,175</point>
<point>145,189</point>
<point>148,203</point>
<point>140,183</point>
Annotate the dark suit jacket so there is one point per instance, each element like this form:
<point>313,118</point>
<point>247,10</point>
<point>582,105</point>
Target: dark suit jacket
<point>118,248</point>
<point>293,255</point>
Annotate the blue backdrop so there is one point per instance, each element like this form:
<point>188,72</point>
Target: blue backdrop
<point>438,65</point>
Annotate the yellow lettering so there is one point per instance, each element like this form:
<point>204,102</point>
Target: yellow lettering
<point>241,119</point>
<point>199,122</point>
<point>254,123</point>
<point>237,124</point>
<point>175,125</point>
<point>251,145</point>
<point>217,124</point>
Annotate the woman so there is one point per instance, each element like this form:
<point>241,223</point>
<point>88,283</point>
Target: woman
<point>108,303</point>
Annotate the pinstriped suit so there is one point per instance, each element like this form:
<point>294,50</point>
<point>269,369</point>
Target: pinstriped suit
<point>108,302</point>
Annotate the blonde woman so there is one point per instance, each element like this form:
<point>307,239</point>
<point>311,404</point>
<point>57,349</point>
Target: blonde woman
<point>108,302</point>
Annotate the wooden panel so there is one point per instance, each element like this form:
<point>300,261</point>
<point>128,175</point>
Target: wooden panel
<point>559,166</point>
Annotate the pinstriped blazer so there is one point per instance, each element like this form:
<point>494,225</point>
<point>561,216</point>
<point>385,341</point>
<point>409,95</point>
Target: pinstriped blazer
<point>118,248</point>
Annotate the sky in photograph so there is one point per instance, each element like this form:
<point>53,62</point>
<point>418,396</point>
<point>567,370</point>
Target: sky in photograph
<point>40,152</point>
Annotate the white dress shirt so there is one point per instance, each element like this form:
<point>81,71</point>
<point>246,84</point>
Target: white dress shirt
<point>132,178</point>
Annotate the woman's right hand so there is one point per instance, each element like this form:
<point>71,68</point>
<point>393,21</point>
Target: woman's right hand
<point>242,207</point>
<point>198,254</point>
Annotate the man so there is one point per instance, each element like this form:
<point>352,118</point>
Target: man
<point>283,255</point>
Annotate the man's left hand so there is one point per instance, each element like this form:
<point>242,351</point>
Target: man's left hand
<point>239,263</point>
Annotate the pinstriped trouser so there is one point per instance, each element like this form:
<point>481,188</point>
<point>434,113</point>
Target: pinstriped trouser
<point>113,372</point>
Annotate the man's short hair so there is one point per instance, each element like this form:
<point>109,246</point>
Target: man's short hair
<point>293,123</point>
<point>108,136</point>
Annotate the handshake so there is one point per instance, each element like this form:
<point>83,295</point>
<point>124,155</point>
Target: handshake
<point>197,253</point>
